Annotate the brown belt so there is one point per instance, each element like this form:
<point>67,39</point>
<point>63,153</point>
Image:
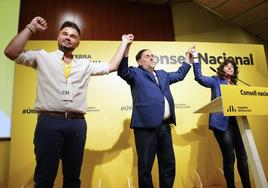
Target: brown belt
<point>67,115</point>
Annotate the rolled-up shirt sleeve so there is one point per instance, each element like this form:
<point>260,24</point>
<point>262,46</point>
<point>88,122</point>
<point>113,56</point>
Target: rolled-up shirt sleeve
<point>27,58</point>
<point>99,68</point>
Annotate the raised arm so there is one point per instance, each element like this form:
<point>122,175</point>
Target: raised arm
<point>205,81</point>
<point>124,71</point>
<point>17,44</point>
<point>183,70</point>
<point>115,61</point>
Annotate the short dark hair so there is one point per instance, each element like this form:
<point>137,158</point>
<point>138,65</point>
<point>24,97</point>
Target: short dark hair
<point>139,54</point>
<point>221,73</point>
<point>70,24</point>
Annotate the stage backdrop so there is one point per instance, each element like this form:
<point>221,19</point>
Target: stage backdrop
<point>110,158</point>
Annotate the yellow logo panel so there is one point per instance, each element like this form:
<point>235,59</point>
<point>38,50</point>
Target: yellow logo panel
<point>244,100</point>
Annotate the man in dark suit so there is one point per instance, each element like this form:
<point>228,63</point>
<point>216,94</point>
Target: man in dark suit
<point>153,112</point>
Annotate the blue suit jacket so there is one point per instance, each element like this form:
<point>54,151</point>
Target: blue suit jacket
<point>148,96</point>
<point>216,120</point>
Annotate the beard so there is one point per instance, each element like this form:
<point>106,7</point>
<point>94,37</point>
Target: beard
<point>65,48</point>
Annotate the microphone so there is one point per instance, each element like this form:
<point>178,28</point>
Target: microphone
<point>214,70</point>
<point>243,82</point>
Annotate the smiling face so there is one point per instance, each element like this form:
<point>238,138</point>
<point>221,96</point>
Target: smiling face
<point>229,69</point>
<point>147,60</point>
<point>68,39</point>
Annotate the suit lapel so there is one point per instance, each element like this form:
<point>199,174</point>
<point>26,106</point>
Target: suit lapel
<point>161,81</point>
<point>151,77</point>
<point>148,75</point>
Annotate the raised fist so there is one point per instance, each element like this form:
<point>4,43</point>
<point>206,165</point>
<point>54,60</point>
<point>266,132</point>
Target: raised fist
<point>38,24</point>
<point>128,38</point>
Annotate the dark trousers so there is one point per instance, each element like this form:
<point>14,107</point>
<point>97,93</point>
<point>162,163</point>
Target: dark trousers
<point>58,138</point>
<point>150,142</point>
<point>230,141</point>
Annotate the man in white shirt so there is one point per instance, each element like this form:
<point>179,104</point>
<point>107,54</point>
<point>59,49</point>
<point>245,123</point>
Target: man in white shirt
<point>62,82</point>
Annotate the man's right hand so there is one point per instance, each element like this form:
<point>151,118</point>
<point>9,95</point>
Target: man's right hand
<point>128,38</point>
<point>38,24</point>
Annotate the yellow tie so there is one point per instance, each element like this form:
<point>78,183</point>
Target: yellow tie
<point>67,69</point>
